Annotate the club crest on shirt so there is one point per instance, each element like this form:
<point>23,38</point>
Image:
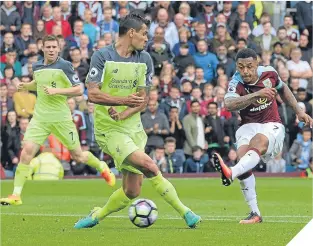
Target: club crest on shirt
<point>231,89</point>
<point>75,78</point>
<point>267,83</point>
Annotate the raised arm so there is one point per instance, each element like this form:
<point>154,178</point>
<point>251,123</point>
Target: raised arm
<point>31,86</point>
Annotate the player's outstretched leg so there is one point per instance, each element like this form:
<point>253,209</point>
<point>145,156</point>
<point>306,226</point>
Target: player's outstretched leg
<point>23,171</point>
<point>257,147</point>
<point>247,185</point>
<point>88,158</point>
<point>145,164</point>
<point>117,201</point>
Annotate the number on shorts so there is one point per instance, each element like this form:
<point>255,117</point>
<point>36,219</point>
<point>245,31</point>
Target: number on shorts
<point>72,135</point>
<point>53,84</point>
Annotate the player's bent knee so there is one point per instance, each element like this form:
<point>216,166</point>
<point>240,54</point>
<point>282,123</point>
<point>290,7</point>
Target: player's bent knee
<point>259,142</point>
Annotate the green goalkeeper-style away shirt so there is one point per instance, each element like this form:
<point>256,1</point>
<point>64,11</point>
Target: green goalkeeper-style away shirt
<point>119,76</point>
<point>60,74</point>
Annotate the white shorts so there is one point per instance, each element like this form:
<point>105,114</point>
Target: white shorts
<point>275,132</point>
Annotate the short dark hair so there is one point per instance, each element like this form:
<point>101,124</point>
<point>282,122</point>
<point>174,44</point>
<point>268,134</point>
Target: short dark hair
<point>306,129</point>
<point>300,89</point>
<point>133,20</point>
<point>288,16</point>
<point>281,28</point>
<point>170,140</point>
<point>213,103</point>
<point>173,107</point>
<point>246,53</point>
<point>49,38</point>
<point>75,48</point>
<point>242,40</point>
<point>175,87</point>
<point>196,148</point>
<point>194,101</point>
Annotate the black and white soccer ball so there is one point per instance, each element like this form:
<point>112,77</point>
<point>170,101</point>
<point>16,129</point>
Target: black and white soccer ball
<point>143,213</point>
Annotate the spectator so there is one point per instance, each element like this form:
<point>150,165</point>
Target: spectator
<point>10,19</point>
<point>239,16</point>
<point>208,17</point>
<point>94,6</point>
<point>307,53</point>
<point>168,69</point>
<point>298,68</point>
<point>302,97</point>
<point>7,103</point>
<point>259,30</point>
<point>226,11</point>
<point>11,60</point>
<point>215,131</point>
<point>15,143</point>
<point>208,93</point>
<point>301,150</point>
<point>155,124</point>
<point>184,35</point>
<point>276,165</point>
<point>174,100</point>
<point>8,73</point>
<point>292,33</point>
<point>277,54</point>
<point>8,43</point>
<point>243,33</point>
<point>220,20</point>
<point>184,9</point>
<point>108,38</point>
<point>266,58</point>
<point>183,59</point>
<point>23,40</point>
<point>201,34</point>
<point>10,128</point>
<point>46,11</point>
<point>158,156</point>
<point>108,25</point>
<point>231,159</point>
<point>91,141</point>
<point>79,120</point>
<point>228,63</point>
<point>222,38</point>
<point>154,93</point>
<point>198,162</point>
<point>186,90</point>
<point>199,80</point>
<point>90,29</point>
<point>81,103</point>
<point>81,67</point>
<point>189,74</point>
<point>31,49</point>
<point>57,20</point>
<point>294,86</point>
<point>196,94</point>
<point>284,75</point>
<point>266,40</point>
<point>174,159</point>
<point>282,38</point>
<point>166,5</point>
<point>194,129</point>
<point>179,21</point>
<point>206,60</point>
<point>32,58</point>
<point>74,39</point>
<point>85,48</point>
<point>24,101</point>
<point>176,128</point>
<point>65,10</point>
<point>39,30</point>
<point>29,12</point>
<point>64,49</point>
<point>170,31</point>
<point>304,18</point>
<point>159,50</point>
<point>222,81</point>
<point>219,99</point>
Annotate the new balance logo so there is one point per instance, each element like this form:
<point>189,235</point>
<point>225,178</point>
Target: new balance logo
<point>115,70</point>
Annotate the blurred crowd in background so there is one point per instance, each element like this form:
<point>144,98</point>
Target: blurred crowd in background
<point>193,45</point>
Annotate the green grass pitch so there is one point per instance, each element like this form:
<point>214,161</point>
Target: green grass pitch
<point>50,210</point>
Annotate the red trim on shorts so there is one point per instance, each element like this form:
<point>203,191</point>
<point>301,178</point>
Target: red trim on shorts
<point>255,150</point>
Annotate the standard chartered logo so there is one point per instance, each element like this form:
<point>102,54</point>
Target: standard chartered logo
<point>121,83</point>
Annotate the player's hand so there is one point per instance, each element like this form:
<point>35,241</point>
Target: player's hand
<point>114,114</point>
<point>302,116</point>
<point>21,86</point>
<point>50,91</point>
<point>134,100</point>
<point>226,139</point>
<point>269,93</point>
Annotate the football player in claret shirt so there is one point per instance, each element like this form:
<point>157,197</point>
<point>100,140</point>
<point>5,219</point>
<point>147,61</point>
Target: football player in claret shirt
<point>252,91</point>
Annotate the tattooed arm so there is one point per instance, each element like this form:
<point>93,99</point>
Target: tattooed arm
<point>239,103</point>
<point>96,96</point>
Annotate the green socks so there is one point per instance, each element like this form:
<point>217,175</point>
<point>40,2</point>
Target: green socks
<point>95,162</point>
<point>21,175</point>
<point>168,192</point>
<point>117,201</point>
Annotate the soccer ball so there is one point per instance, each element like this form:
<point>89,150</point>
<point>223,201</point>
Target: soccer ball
<point>143,213</point>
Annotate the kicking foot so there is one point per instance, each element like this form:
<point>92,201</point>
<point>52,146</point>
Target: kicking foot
<point>221,167</point>
<point>192,220</point>
<point>11,200</point>
<point>108,175</point>
<point>253,218</point>
<point>88,222</point>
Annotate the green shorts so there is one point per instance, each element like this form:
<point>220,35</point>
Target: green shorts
<point>66,132</point>
<point>120,145</point>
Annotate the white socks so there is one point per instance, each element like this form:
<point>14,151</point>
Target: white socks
<point>246,163</point>
<point>248,189</point>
